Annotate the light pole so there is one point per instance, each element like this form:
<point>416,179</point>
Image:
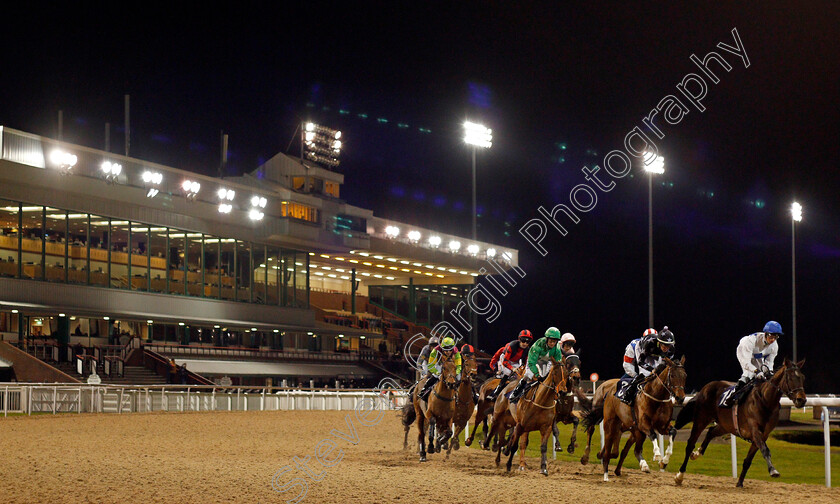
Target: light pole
<point>476,135</point>
<point>796,216</point>
<point>656,166</point>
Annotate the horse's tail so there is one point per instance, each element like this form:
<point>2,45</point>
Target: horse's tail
<point>585,402</point>
<point>686,413</point>
<point>409,415</point>
<point>594,417</point>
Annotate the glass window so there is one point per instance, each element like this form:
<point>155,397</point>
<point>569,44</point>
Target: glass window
<point>274,275</point>
<point>99,245</point>
<point>260,273</point>
<point>139,257</point>
<point>301,273</point>
<point>422,306</point>
<point>177,242</point>
<point>55,246</point>
<point>77,250</point>
<point>289,278</point>
<point>119,254</point>
<point>375,293</point>
<point>32,244</point>
<point>157,250</point>
<point>402,301</point>
<point>211,266</point>
<point>228,267</point>
<point>9,238</point>
<point>389,302</point>
<point>243,271</point>
<point>194,266</point>
<point>436,305</point>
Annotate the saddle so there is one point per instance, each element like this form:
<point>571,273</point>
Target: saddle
<point>731,397</point>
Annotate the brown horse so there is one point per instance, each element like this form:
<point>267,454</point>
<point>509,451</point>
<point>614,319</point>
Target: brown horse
<point>650,414</point>
<point>756,416</point>
<point>535,411</point>
<point>439,409</point>
<point>564,411</point>
<point>464,404</point>
<point>484,408</point>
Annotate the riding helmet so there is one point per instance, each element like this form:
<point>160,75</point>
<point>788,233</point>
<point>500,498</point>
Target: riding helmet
<point>552,333</point>
<point>773,327</point>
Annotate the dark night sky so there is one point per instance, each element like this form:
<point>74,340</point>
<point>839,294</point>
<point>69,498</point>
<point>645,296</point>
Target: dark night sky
<point>539,74</point>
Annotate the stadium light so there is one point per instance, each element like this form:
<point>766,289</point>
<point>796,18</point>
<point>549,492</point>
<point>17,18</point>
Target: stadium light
<point>476,135</point>
<point>796,216</point>
<point>152,180</point>
<point>63,160</point>
<point>434,241</point>
<point>321,144</point>
<point>654,165</point>
<point>110,171</point>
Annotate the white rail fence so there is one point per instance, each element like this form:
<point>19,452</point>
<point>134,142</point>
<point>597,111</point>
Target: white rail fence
<point>40,398</point>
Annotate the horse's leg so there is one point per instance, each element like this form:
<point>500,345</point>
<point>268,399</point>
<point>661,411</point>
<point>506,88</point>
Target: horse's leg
<point>589,431</point>
<point>630,442</point>
<point>456,444</point>
<point>405,439</point>
<point>546,435</point>
<point>657,451</point>
<point>485,445</point>
<point>421,437</point>
<point>523,445</point>
<point>478,420</point>
<point>747,462</point>
<point>556,432</point>
<point>573,440</point>
<point>696,428</point>
<point>640,442</point>
<point>510,449</point>
<point>758,439</point>
<point>611,430</point>
<point>672,434</point>
<point>712,433</point>
<point>485,428</point>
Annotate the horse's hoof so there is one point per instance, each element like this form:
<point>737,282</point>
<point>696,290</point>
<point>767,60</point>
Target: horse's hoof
<point>695,455</point>
<point>522,468</point>
<point>643,465</point>
<point>456,447</point>
<point>618,471</point>
<point>422,459</point>
<point>468,442</point>
<point>740,484</point>
<point>678,479</point>
<point>657,457</point>
<point>584,460</point>
<point>606,477</point>
<point>571,449</point>
<point>774,473</point>
<point>544,471</point>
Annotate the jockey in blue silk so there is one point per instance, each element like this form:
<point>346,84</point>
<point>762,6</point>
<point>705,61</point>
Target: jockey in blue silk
<point>756,354</point>
<point>641,357</point>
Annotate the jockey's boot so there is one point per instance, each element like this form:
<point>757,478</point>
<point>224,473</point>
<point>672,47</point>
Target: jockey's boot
<point>628,393</point>
<point>502,382</point>
<point>521,387</point>
<point>735,395</point>
<point>424,394</point>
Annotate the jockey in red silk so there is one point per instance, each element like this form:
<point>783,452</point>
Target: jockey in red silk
<point>511,356</point>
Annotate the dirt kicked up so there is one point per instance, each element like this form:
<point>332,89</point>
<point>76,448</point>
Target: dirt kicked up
<point>310,457</point>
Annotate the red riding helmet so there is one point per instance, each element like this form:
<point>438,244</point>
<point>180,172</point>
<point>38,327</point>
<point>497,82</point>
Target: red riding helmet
<point>526,334</point>
<point>467,349</point>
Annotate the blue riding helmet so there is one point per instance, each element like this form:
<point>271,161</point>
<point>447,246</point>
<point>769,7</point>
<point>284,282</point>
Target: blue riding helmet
<point>773,327</point>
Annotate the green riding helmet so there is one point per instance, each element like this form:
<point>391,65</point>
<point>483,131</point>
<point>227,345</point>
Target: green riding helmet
<point>553,333</point>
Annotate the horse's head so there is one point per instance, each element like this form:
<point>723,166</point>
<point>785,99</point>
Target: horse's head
<point>673,377</point>
<point>573,370</point>
<point>791,381</point>
<point>557,376</point>
<point>447,374</point>
<point>469,367</point>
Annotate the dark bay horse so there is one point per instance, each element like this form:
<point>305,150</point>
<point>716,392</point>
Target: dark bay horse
<point>535,411</point>
<point>753,420</point>
<point>464,404</point>
<point>484,408</point>
<point>440,408</point>
<point>564,410</point>
<point>650,414</point>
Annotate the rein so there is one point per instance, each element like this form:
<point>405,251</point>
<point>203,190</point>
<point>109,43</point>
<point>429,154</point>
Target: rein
<point>667,386</point>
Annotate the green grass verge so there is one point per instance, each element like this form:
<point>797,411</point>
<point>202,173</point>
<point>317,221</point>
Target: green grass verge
<point>798,463</point>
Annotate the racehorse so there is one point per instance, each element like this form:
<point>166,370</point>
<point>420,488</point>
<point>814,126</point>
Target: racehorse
<point>535,411</point>
<point>650,414</point>
<point>753,420</point>
<point>440,408</point>
<point>464,404</point>
<point>564,410</point>
<point>484,408</point>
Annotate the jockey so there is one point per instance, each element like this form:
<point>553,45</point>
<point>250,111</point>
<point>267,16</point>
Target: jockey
<point>468,350</point>
<point>423,359</point>
<point>755,352</point>
<point>510,358</point>
<point>641,358</point>
<point>546,346</point>
<point>446,350</point>
<point>567,343</point>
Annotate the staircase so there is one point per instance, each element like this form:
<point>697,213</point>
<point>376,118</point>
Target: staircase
<point>136,375</point>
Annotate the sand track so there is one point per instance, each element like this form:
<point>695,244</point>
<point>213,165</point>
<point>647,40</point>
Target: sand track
<point>225,457</point>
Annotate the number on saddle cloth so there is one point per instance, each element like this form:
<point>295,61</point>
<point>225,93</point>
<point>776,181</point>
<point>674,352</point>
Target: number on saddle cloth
<point>622,389</point>
<point>731,396</point>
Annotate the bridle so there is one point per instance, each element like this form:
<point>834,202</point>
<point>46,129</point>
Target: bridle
<point>790,392</point>
<point>553,387</point>
<point>671,389</point>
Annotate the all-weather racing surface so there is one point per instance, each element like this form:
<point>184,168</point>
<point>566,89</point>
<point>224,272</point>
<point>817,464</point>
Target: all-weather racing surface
<point>216,457</point>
